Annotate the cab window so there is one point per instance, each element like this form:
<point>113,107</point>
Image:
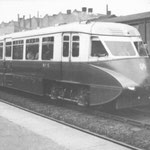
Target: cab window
<point>141,49</point>
<point>97,48</point>
<point>121,48</point>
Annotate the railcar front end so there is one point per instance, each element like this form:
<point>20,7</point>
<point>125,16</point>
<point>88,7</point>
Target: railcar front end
<point>122,72</point>
<point>129,82</point>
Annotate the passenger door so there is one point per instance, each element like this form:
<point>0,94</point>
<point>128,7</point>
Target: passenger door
<point>70,55</point>
<point>8,62</point>
<point>2,69</point>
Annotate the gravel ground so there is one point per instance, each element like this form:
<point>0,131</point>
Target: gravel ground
<point>135,136</point>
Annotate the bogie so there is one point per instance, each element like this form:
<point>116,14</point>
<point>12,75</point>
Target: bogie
<point>69,92</point>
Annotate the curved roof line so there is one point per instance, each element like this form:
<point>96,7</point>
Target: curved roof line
<point>101,28</point>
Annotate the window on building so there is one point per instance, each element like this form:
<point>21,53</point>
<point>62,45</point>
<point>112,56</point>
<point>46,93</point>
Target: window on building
<point>8,49</point>
<point>18,49</point>
<point>47,48</point>
<point>75,46</point>
<point>32,49</point>
<point>65,46</point>
<point>1,50</point>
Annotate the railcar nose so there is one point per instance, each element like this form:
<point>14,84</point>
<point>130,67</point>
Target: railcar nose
<point>129,77</point>
<point>139,92</point>
<point>136,70</point>
<point>143,73</point>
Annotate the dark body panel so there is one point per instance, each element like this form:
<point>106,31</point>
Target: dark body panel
<point>134,76</point>
<point>86,74</point>
<point>28,75</point>
<point>106,80</point>
<point>113,78</point>
<point>103,87</point>
<point>136,69</point>
<point>2,71</point>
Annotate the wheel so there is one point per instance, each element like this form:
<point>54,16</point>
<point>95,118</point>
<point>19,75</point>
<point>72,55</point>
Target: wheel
<point>53,94</point>
<point>61,93</point>
<point>82,97</point>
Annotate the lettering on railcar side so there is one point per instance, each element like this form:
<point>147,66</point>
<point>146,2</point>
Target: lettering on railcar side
<point>46,65</point>
<point>142,66</point>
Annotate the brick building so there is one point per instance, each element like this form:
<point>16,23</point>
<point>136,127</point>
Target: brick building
<point>37,22</point>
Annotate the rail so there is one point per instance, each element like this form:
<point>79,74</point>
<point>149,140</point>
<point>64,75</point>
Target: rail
<point>76,127</point>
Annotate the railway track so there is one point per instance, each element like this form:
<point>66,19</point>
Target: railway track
<point>132,116</point>
<point>72,126</point>
<point>115,115</point>
<point>135,116</point>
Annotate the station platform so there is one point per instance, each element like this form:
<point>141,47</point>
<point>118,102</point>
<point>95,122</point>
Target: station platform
<point>21,130</point>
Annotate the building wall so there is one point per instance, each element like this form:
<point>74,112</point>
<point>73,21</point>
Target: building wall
<point>144,28</point>
<point>36,22</point>
<point>148,35</point>
<point>8,30</point>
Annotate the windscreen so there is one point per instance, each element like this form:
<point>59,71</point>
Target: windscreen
<point>121,48</point>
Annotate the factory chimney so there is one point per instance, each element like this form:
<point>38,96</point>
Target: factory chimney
<point>108,12</point>
<point>84,9</point>
<point>69,11</point>
<point>90,10</point>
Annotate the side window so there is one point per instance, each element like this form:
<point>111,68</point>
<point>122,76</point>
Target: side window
<point>75,46</point>
<point>66,46</point>
<point>140,48</point>
<point>32,49</point>
<point>8,49</point>
<point>18,49</point>
<point>47,48</point>
<point>1,50</point>
<point>98,49</point>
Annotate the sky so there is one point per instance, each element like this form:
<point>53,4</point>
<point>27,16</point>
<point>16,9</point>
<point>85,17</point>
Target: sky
<point>9,9</point>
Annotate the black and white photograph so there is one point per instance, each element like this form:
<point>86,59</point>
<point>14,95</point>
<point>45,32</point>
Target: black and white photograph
<point>74,75</point>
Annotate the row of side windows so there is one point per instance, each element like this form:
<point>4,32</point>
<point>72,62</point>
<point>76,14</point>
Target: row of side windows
<point>97,48</point>
<point>71,46</point>
<point>32,49</point>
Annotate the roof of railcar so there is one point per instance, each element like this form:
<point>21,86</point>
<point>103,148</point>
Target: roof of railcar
<point>101,28</point>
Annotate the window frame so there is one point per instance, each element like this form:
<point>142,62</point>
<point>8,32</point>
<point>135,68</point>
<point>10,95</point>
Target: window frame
<point>8,44</point>
<point>48,41</point>
<point>32,42</point>
<point>73,42</point>
<point>66,43</point>
<point>18,42</point>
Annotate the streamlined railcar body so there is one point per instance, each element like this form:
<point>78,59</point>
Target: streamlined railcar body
<point>87,63</point>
